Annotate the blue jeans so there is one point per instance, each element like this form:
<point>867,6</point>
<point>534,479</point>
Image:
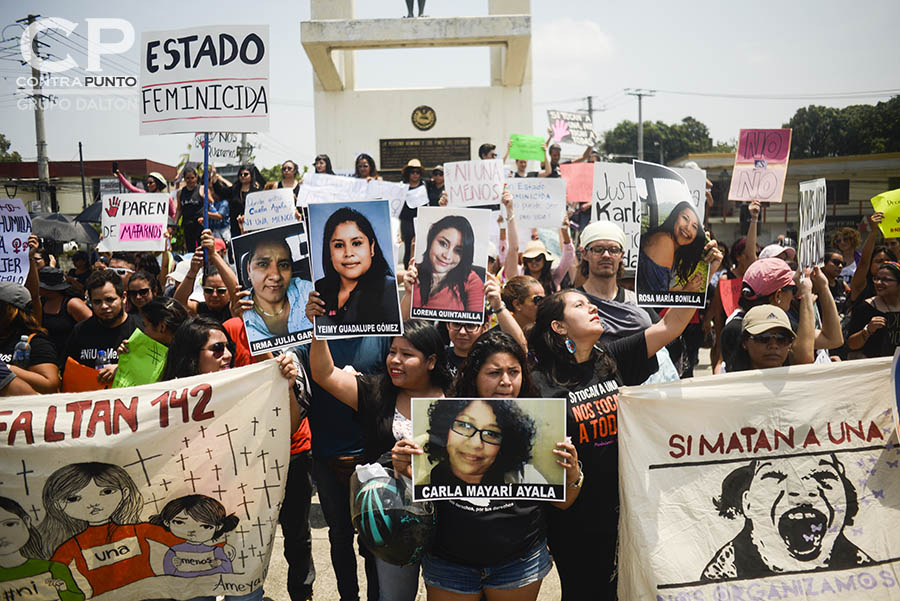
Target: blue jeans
<point>397,583</point>
<point>467,580</point>
<point>332,476</point>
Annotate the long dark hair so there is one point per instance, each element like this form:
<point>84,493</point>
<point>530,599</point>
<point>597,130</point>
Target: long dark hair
<point>32,549</point>
<point>371,282</point>
<point>550,353</point>
<point>373,172</point>
<point>686,257</point>
<point>327,160</point>
<point>427,340</point>
<point>166,311</point>
<point>545,277</point>
<point>205,510</point>
<point>489,344</point>
<point>184,352</point>
<point>456,279</point>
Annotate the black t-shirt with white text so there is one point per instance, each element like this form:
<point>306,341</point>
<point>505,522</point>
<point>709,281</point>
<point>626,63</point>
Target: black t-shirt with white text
<point>90,336</point>
<point>42,349</point>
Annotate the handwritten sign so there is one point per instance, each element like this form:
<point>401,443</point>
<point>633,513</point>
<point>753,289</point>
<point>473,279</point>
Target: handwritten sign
<point>571,127</point>
<point>322,187</point>
<point>616,200</point>
<point>889,204</point>
<point>134,222</point>
<point>212,79</point>
<point>474,183</point>
<point>579,183</point>
<point>538,202</point>
<point>15,227</point>
<point>760,165</point>
<point>269,208</point>
<point>526,148</point>
<point>224,148</point>
<point>393,192</point>
<point>811,245</point>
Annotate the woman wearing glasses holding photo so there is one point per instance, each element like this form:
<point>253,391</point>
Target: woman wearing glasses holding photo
<point>216,297</point>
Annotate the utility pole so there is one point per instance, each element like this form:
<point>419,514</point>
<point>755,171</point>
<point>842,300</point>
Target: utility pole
<point>83,189</point>
<point>40,134</point>
<point>640,93</point>
<point>244,150</point>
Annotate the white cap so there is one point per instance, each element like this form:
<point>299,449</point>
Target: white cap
<point>776,250</point>
<point>602,230</point>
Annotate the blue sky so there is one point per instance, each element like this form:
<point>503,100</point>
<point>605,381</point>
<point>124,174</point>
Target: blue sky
<point>799,49</point>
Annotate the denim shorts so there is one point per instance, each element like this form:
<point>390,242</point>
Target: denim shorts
<point>466,580</point>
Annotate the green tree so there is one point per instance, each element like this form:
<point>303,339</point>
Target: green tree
<point>820,131</point>
<point>676,140</point>
<point>5,155</point>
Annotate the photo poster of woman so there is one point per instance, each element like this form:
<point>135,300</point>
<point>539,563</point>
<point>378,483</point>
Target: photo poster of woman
<point>671,271</point>
<point>353,269</point>
<point>488,449</point>
<point>274,264</point>
<point>450,259</point>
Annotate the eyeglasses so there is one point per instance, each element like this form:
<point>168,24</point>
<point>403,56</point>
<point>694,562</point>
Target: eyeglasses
<point>599,250</point>
<point>220,290</point>
<point>469,327</point>
<point>139,292</point>
<point>468,430</point>
<point>150,182</point>
<point>837,262</point>
<point>121,270</point>
<point>535,298</point>
<point>883,280</point>
<point>217,349</point>
<point>780,338</point>
<point>533,259</point>
<point>243,174</point>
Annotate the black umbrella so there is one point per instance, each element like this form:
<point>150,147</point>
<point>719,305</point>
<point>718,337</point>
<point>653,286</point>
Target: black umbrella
<point>90,214</point>
<point>59,227</point>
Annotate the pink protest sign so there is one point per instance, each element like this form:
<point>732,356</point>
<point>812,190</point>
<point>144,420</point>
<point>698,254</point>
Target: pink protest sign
<point>134,222</point>
<point>760,165</point>
<point>579,182</point>
<point>140,231</point>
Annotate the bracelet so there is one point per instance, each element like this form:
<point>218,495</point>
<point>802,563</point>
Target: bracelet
<point>510,217</point>
<point>580,480</point>
<point>499,309</point>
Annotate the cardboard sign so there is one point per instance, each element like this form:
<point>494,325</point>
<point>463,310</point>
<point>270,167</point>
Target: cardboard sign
<point>616,199</point>
<point>269,208</point>
<point>214,445</point>
<point>212,79</point>
<point>473,183</point>
<point>224,148</point>
<point>15,227</point>
<point>779,483</point>
<point>536,476</point>
<point>571,127</point>
<point>526,148</point>
<point>134,222</point>
<point>537,202</point>
<point>671,271</point>
<point>579,183</point>
<point>889,204</point>
<point>811,245</point>
<point>760,165</point>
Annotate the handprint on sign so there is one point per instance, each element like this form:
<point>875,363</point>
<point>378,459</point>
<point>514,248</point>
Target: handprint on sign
<point>560,130</point>
<point>113,207</point>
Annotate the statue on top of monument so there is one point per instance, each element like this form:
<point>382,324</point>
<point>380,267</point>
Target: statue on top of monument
<point>409,8</point>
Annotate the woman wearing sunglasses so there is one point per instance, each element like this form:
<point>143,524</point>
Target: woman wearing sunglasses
<point>289,177</point>
<point>767,339</point>
<point>846,240</point>
<point>246,183</point>
<point>522,294</point>
<point>216,297</point>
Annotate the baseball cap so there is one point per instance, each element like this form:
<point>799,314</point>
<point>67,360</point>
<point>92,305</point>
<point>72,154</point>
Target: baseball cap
<point>602,230</point>
<point>220,245</point>
<point>765,276</point>
<point>763,318</point>
<point>776,250</point>
<point>15,294</point>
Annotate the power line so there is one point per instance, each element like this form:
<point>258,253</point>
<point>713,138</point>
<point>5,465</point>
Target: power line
<point>811,96</point>
<point>123,56</point>
<point>59,38</point>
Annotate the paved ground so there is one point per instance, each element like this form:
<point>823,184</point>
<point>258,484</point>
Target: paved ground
<point>325,587</point>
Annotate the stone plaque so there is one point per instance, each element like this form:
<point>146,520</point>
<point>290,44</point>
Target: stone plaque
<point>396,152</point>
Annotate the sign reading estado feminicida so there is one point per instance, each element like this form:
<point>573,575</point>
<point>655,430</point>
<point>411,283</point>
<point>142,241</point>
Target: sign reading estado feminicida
<point>205,79</point>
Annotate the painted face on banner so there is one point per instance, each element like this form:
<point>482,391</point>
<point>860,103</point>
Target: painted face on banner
<point>191,530</point>
<point>470,456</point>
<point>446,250</point>
<point>351,251</point>
<point>13,532</point>
<point>793,502</point>
<point>94,503</point>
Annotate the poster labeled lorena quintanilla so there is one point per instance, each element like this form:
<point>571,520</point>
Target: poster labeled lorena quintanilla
<point>353,258</point>
<point>487,450</point>
<point>450,263</point>
<point>274,265</point>
<point>671,270</point>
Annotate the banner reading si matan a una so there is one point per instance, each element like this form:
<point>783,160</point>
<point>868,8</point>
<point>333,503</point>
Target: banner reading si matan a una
<point>782,484</point>
<point>169,490</point>
<point>212,79</point>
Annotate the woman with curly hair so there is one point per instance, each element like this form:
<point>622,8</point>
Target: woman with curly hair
<point>487,440</point>
<point>671,252</point>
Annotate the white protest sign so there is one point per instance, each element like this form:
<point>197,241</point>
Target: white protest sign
<point>268,208</point>
<point>215,445</point>
<point>696,181</point>
<point>767,484</point>
<point>537,202</point>
<point>474,183</point>
<point>393,192</point>
<point>212,79</point>
<point>223,148</point>
<point>811,245</point>
<point>615,199</point>
<point>416,197</point>
<point>322,187</point>
<point>15,227</point>
<point>134,222</point>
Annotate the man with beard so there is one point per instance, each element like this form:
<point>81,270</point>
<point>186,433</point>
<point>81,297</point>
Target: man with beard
<point>795,510</point>
<point>108,327</point>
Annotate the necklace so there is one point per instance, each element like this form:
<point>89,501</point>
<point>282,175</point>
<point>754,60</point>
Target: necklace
<point>266,313</point>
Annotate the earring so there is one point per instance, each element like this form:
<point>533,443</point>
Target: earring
<point>570,345</point>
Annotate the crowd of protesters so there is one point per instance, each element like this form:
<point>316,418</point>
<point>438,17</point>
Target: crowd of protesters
<point>554,325</point>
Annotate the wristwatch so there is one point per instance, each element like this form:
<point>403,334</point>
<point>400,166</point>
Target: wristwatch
<point>493,311</point>
<point>580,481</point>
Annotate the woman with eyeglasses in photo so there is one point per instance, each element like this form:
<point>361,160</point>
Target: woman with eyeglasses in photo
<point>246,183</point>
<point>522,294</point>
<point>289,177</point>
<point>875,321</point>
<point>322,164</point>
<point>487,442</point>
